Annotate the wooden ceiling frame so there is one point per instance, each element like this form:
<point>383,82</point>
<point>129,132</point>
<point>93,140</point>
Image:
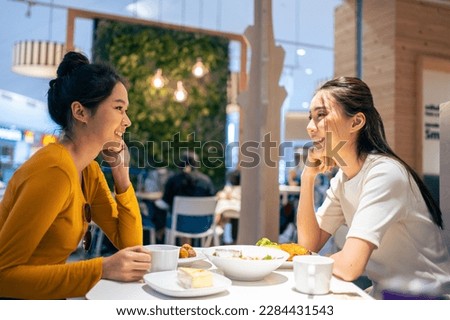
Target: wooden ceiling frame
<point>73,14</point>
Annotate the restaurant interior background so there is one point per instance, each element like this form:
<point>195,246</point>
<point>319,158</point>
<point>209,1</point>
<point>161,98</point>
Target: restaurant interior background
<point>306,38</point>
<point>400,48</point>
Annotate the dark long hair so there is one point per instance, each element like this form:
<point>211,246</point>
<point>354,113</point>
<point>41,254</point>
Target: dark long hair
<point>354,96</point>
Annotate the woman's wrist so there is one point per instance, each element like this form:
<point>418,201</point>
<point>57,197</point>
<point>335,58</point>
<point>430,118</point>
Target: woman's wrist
<point>309,174</point>
<point>121,179</point>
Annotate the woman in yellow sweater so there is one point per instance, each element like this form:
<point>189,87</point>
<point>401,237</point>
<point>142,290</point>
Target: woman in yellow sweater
<point>54,195</point>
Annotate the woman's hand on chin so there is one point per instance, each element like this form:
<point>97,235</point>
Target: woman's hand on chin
<point>115,153</point>
<point>317,162</point>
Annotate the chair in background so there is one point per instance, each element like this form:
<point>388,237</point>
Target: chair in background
<point>228,224</point>
<point>98,236</point>
<point>147,222</point>
<point>193,218</point>
<point>96,243</point>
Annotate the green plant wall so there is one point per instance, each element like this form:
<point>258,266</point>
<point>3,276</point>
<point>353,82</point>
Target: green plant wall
<point>160,125</point>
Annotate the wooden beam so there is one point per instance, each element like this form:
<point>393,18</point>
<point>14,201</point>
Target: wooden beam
<point>77,13</point>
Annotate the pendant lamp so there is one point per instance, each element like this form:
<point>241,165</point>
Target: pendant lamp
<point>38,59</point>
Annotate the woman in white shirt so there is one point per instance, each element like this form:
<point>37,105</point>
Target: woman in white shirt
<point>394,223</point>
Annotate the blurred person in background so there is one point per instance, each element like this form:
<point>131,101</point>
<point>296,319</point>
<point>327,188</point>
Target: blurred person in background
<point>188,182</point>
<point>295,173</point>
<point>229,198</point>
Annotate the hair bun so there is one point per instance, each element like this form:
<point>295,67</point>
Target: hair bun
<point>71,61</point>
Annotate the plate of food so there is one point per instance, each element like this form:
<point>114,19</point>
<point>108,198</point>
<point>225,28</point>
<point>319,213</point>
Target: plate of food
<point>187,282</point>
<point>188,255</point>
<point>246,262</point>
<point>294,249</point>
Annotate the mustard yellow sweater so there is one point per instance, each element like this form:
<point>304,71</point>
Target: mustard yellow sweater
<point>42,223</point>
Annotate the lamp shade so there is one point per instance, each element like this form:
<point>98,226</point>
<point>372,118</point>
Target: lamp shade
<point>38,59</point>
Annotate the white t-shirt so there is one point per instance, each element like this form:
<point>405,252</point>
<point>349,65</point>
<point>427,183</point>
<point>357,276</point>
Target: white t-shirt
<point>383,205</point>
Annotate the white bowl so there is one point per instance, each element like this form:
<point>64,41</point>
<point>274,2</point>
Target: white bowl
<point>247,269</point>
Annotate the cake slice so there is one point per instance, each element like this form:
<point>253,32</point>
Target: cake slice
<point>194,278</point>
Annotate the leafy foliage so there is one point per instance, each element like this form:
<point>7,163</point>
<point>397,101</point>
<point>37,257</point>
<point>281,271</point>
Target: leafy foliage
<point>161,127</point>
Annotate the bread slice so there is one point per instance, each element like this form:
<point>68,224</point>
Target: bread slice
<point>194,278</point>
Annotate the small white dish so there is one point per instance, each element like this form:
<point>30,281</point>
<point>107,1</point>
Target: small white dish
<point>166,282</point>
<point>186,262</point>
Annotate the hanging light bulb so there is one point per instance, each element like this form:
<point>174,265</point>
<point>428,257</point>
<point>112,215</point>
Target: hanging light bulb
<point>180,94</point>
<point>158,80</point>
<point>199,69</point>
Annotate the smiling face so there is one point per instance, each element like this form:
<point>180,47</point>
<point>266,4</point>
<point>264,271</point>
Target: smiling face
<point>329,127</point>
<point>110,120</point>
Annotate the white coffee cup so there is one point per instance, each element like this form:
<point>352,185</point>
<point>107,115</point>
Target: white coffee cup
<point>164,257</point>
<point>312,274</point>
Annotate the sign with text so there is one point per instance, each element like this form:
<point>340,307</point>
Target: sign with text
<point>436,89</point>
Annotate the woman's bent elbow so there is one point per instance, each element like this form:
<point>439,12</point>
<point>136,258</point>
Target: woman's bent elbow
<point>347,275</point>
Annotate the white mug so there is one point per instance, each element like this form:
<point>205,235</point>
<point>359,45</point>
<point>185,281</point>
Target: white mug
<point>164,257</point>
<point>312,274</point>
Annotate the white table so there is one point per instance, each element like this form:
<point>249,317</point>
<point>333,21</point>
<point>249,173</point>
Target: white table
<point>228,204</point>
<point>279,283</point>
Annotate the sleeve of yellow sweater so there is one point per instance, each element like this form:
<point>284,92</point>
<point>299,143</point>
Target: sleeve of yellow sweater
<point>120,219</point>
<point>36,205</point>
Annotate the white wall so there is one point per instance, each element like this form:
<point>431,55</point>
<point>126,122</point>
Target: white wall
<point>444,163</point>
<point>436,88</point>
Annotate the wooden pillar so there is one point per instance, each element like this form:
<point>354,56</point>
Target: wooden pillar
<point>401,39</point>
<point>261,106</point>
<point>396,36</point>
<point>345,39</point>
